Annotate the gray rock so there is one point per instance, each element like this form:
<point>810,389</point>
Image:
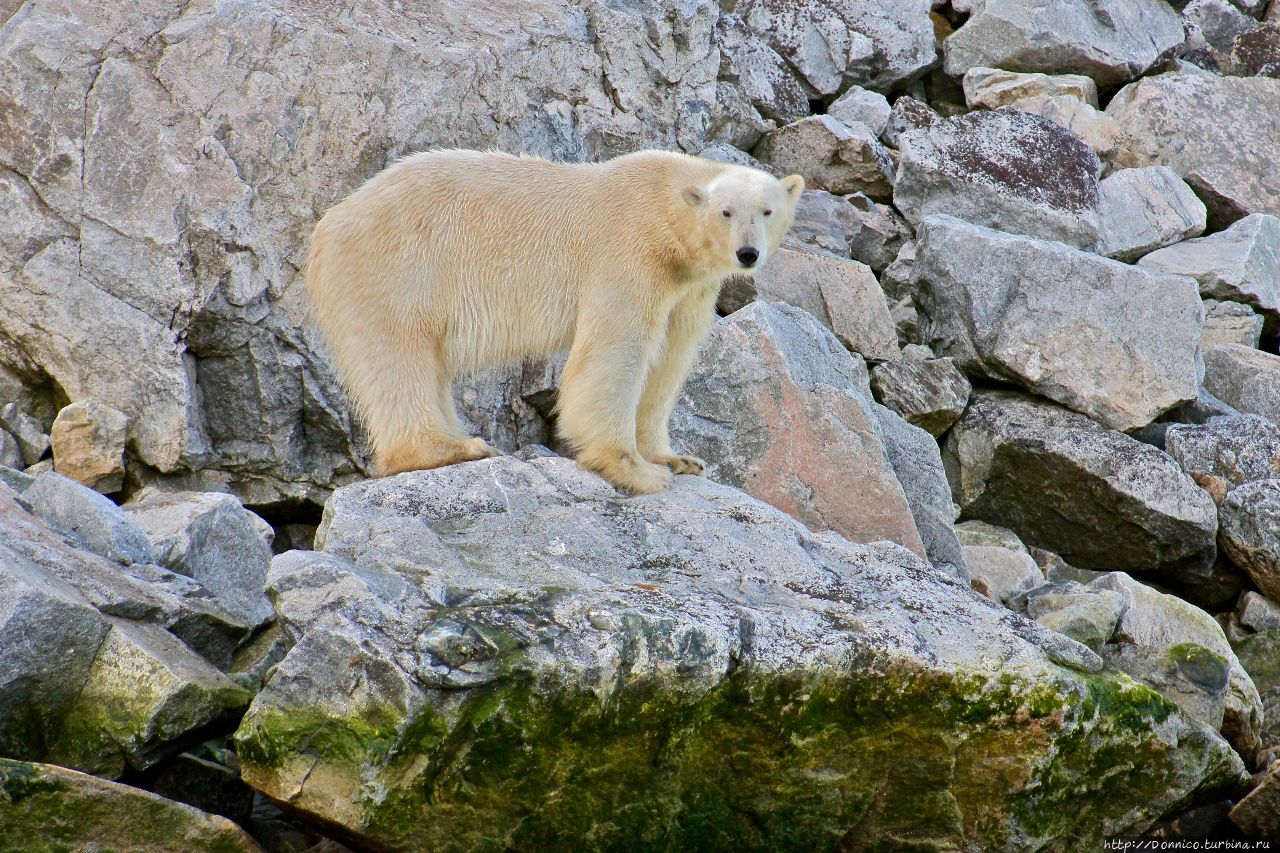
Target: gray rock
<point>1092,126</point>
<point>88,441</point>
<point>1112,341</point>
<point>981,534</point>
<point>1250,532</point>
<point>836,157</point>
<point>1244,378</point>
<point>824,221</point>
<point>908,114</point>
<point>1097,498</point>
<point>1216,132</point>
<point>1108,41</point>
<point>10,452</point>
<point>763,75</point>
<point>930,394</point>
<point>1217,21</point>
<point>1004,573</point>
<point>899,279</point>
<point>33,441</point>
<point>1083,613</point>
<point>991,88</point>
<point>97,524</point>
<point>1146,209</point>
<point>1258,613</point>
<point>1001,169</point>
<point>1230,323</point>
<point>842,294</point>
<point>1258,813</point>
<point>211,538</point>
<point>1226,451</point>
<point>1241,264</point>
<point>879,235</point>
<point>618,623</point>
<point>861,106</point>
<point>778,408</point>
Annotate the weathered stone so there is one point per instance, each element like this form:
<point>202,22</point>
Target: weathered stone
<point>991,88</point>
<point>1258,613</point>
<point>88,445</point>
<point>1086,614</point>
<point>1217,133</point>
<point>1109,42</point>
<point>842,294</point>
<point>880,233</point>
<point>32,440</point>
<point>981,534</point>
<point>763,75</point>
<point>1233,449</point>
<point>1218,22</point>
<point>908,114</point>
<point>1112,341</point>
<point>1256,52</point>
<point>1244,378</point>
<point>1258,814</point>
<point>210,537</point>
<point>861,106</point>
<point>1250,532</point>
<point>47,807</point>
<point>709,650</point>
<point>1006,573</point>
<point>10,452</point>
<point>1146,209</point>
<point>824,221</point>
<point>1230,323</point>
<point>1092,126</point>
<point>1259,654</point>
<point>1241,264</point>
<point>930,394</point>
<point>97,524</point>
<point>1097,498</point>
<point>778,408</point>
<point>835,43</point>
<point>898,279</point>
<point>830,154</point>
<point>1001,169</point>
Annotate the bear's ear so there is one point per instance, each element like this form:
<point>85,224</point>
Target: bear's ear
<point>794,185</point>
<point>695,195</point>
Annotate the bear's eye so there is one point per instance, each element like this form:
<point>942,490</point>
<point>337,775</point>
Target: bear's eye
<point>768,212</point>
<point>726,214</point>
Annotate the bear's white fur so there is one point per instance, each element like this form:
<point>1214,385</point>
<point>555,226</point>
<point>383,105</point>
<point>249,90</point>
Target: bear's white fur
<point>449,261</point>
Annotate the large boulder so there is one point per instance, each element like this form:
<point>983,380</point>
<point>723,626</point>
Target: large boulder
<point>1250,534</point>
<point>930,393</point>
<point>1001,169</point>
<point>1109,340</point>
<point>1218,133</point>
<point>992,88</point>
<point>1109,41</point>
<point>1100,499</point>
<point>88,442</point>
<point>1244,378</point>
<point>684,669</point>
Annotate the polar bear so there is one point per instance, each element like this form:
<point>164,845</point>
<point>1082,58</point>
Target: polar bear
<point>452,260</point>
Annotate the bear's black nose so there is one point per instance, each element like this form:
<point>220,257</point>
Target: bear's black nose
<point>747,256</point>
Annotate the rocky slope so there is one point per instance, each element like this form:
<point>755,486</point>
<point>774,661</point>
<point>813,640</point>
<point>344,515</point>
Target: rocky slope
<point>987,555</point>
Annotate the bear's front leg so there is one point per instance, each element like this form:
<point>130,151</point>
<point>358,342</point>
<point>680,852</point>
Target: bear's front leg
<point>686,327</point>
<point>611,355</point>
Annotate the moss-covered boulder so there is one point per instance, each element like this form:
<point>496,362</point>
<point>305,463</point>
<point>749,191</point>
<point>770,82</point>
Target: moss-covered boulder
<point>48,808</point>
<point>508,654</point>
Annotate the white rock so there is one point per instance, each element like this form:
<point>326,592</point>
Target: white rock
<point>990,88</point>
<point>861,106</point>
<point>1146,209</point>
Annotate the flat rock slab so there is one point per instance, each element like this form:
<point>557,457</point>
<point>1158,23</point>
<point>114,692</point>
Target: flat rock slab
<point>1244,378</point>
<point>1100,499</point>
<point>509,650</point>
<point>1103,338</point>
<point>1146,209</point>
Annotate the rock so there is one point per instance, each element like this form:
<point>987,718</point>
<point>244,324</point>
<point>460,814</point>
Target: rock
<point>778,408</point>
<point>908,114</point>
<point>210,537</point>
<point>1230,323</point>
<point>1231,450</point>
<point>1109,42</point>
<point>930,394</point>
<point>1217,21</point>
<point>991,88</point>
<point>842,294</point>
<point>1215,132</point>
<point>835,43</point>
<point>880,232</point>
<point>1083,613</point>
<point>1097,498</point>
<point>854,226</point>
<point>1244,378</point>
<point>861,106</point>
<point>1180,651</point>
<point>1256,53</point>
<point>709,650</point>
<point>66,810</point>
<point>1001,169</point>
<point>898,279</point>
<point>1250,532</point>
<point>10,452</point>
<point>918,465</point>
<point>1006,573</point>
<point>1115,342</point>
<point>1092,126</point>
<point>30,435</point>
<point>766,81</point>
<point>1241,264</point>
<point>88,445</point>
<point>1146,209</point>
<point>1259,654</point>
<point>1258,814</point>
<point>97,524</point>
<point>981,534</point>
<point>1257,613</point>
<point>837,158</point>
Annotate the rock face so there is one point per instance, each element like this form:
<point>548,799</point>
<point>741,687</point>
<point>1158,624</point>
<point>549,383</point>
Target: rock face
<point>1103,338</point>
<point>991,88</point>
<point>1098,498</point>
<point>1216,132</point>
<point>778,408</point>
<point>1001,169</point>
<point>1144,209</point>
<point>1110,42</point>
<point>1245,378</point>
<point>930,393</point>
<point>88,445</point>
<point>1250,534</point>
<point>1230,323</point>
<point>74,811</point>
<point>711,653</point>
<point>1231,449</point>
<point>836,157</point>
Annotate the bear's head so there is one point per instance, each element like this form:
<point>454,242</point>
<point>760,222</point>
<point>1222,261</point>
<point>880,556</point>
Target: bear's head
<point>744,214</point>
